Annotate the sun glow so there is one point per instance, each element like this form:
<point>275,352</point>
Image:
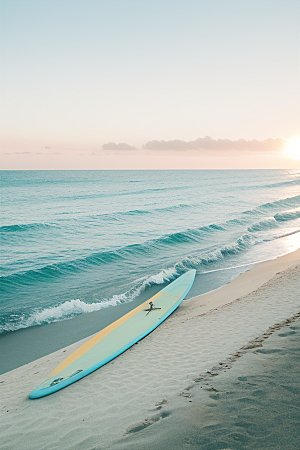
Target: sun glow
<point>293,148</point>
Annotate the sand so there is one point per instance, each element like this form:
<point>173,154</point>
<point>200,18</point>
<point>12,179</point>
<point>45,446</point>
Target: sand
<point>141,388</point>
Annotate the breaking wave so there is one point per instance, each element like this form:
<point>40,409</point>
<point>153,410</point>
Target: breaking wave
<point>72,308</point>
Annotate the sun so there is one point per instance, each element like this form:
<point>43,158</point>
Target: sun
<point>292,149</point>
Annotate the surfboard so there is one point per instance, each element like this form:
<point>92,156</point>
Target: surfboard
<point>113,340</point>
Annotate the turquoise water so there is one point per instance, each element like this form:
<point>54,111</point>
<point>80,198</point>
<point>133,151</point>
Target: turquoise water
<point>77,242</point>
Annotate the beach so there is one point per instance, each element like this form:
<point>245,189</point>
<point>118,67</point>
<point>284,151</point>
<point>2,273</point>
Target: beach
<point>149,183</point>
<point>136,395</point>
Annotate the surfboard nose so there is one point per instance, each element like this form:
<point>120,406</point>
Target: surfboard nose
<point>181,286</point>
<point>189,276</point>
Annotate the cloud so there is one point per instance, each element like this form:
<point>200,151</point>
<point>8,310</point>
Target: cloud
<point>47,147</point>
<point>122,146</point>
<point>16,153</point>
<point>208,143</point>
<point>47,153</point>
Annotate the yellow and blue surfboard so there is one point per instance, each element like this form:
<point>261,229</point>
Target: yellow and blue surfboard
<point>117,337</point>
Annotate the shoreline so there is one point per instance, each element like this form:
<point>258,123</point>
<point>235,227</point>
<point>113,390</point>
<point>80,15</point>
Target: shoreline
<point>245,283</point>
<point>148,378</point>
<point>28,344</point>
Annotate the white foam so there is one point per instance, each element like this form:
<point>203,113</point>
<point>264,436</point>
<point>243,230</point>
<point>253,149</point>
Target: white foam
<point>161,277</point>
<point>76,307</point>
<point>54,314</point>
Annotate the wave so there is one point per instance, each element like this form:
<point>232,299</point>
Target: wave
<point>285,202</point>
<point>24,227</point>
<point>289,201</point>
<point>66,310</point>
<point>294,182</point>
<point>148,211</point>
<point>204,258</point>
<point>76,307</point>
<point>263,225</point>
<point>272,222</point>
<point>148,248</point>
<point>137,212</point>
<point>189,235</point>
<point>127,253</point>
<point>287,183</point>
<point>54,271</point>
<point>185,235</point>
<point>72,308</point>
<point>175,207</point>
<point>118,215</point>
<point>287,215</point>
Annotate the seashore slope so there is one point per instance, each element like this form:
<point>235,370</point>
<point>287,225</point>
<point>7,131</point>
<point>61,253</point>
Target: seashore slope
<point>141,388</point>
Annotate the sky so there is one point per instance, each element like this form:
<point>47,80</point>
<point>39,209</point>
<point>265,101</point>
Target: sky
<point>149,84</point>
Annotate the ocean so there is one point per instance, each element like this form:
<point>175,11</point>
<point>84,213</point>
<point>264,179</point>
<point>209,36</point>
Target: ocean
<point>80,248</point>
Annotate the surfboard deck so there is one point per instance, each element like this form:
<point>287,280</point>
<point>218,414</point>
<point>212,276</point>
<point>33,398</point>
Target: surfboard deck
<point>113,340</point>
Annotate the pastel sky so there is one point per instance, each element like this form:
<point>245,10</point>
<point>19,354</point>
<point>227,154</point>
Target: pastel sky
<point>159,84</point>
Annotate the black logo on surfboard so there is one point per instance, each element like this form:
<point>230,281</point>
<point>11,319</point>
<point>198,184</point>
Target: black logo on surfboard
<point>151,308</point>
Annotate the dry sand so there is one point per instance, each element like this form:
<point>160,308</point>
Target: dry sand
<point>143,385</point>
